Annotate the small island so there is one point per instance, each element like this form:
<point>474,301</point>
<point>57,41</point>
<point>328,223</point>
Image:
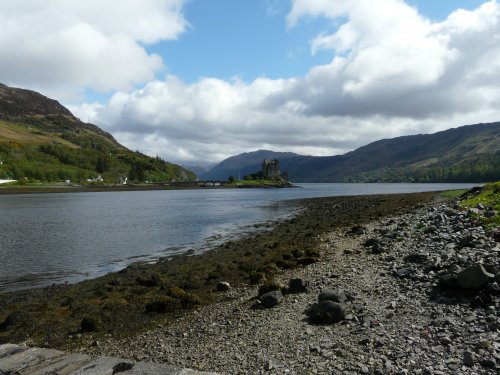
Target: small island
<point>269,176</point>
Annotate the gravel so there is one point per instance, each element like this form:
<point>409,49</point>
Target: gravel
<point>405,311</point>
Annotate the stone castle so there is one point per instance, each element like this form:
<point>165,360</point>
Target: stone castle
<point>271,170</point>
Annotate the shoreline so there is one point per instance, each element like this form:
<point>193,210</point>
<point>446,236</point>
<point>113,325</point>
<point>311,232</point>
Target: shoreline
<point>402,318</point>
<point>118,303</point>
<point>43,189</point>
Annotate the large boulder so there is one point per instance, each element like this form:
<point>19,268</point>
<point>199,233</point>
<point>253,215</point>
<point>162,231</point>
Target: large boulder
<point>474,277</point>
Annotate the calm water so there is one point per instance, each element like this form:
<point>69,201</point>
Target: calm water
<point>54,238</point>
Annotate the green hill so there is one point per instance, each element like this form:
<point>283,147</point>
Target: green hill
<point>464,154</point>
<point>41,140</point>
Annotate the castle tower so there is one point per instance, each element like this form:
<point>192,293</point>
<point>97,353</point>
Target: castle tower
<point>271,169</point>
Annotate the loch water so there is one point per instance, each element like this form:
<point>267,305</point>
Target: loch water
<point>58,238</point>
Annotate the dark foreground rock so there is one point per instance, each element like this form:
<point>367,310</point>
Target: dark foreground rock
<point>16,359</point>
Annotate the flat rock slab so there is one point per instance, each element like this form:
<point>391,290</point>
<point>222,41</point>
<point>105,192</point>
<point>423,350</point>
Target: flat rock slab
<point>23,360</point>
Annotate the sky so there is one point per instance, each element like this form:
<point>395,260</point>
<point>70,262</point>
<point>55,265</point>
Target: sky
<point>197,81</point>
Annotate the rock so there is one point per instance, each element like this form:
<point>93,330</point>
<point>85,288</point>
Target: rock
<point>377,248</point>
<point>358,230</point>
<point>372,241</point>
<point>473,211</point>
<point>416,258</point>
<point>474,277</point>
<point>16,318</point>
<point>402,273</point>
<point>271,299</point>
<point>89,324</point>
<point>491,213</point>
<point>223,286</point>
<point>298,286</point>
<point>467,241</point>
<point>326,312</point>
<point>496,235</point>
<point>469,359</point>
<point>270,286</point>
<point>331,295</point>
<point>488,363</point>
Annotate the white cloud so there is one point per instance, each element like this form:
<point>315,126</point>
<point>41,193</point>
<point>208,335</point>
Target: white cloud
<point>63,47</point>
<point>393,72</point>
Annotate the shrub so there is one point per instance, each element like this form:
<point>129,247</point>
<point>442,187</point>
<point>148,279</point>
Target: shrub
<point>89,324</point>
<point>189,300</point>
<point>162,305</point>
<point>176,292</point>
<point>270,286</point>
<point>256,277</point>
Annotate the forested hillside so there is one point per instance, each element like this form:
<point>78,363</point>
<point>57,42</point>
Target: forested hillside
<point>41,140</point>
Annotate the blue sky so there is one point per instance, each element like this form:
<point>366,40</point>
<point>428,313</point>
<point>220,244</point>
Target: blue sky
<point>196,81</point>
<point>250,39</point>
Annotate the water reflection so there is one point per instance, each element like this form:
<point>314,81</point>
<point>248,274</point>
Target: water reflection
<point>54,238</point>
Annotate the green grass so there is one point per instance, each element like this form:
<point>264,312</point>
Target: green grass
<point>453,193</point>
<point>489,197</point>
<point>259,183</point>
<point>253,182</point>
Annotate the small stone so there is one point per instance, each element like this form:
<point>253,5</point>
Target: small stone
<point>326,312</point>
<point>491,213</point>
<point>223,286</point>
<point>271,299</point>
<point>469,358</point>
<point>358,230</point>
<point>298,286</point>
<point>331,295</point>
<point>402,273</point>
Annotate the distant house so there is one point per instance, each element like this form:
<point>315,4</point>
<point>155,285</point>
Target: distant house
<point>123,180</point>
<point>98,179</point>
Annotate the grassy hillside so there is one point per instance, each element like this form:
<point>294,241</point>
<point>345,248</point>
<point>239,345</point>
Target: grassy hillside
<point>41,140</point>
<point>489,197</point>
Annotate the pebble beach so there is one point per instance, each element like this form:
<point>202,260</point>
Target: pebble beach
<point>421,293</point>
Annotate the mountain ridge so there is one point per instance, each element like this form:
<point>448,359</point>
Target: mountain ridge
<point>468,153</point>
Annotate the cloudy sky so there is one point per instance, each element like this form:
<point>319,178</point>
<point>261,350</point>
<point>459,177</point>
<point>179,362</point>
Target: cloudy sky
<point>196,81</point>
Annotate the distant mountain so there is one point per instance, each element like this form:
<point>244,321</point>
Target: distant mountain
<point>246,163</point>
<point>197,169</point>
<point>42,140</point>
<point>465,154</point>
